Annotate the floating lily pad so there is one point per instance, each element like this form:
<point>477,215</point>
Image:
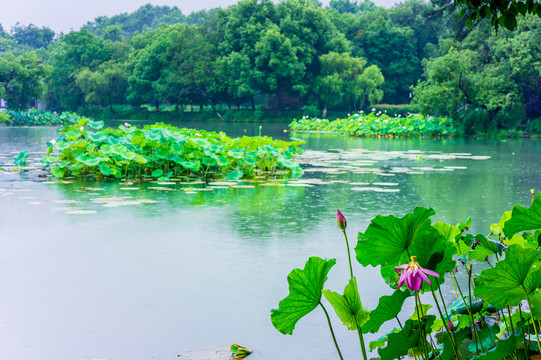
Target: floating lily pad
<point>384,184</point>
<point>161,188</point>
<point>129,188</point>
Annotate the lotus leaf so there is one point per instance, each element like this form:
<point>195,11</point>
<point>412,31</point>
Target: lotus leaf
<point>388,308</point>
<point>305,290</point>
<point>510,280</point>
<point>524,218</point>
<point>348,307</point>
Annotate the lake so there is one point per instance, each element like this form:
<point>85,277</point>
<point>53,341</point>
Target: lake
<point>87,271</point>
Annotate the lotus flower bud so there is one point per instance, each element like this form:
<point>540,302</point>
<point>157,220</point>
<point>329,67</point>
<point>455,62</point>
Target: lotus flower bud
<point>341,220</point>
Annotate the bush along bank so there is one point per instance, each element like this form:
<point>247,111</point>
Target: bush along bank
<point>34,117</point>
<point>378,124</point>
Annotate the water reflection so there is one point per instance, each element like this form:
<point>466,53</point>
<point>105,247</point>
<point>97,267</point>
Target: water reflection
<point>192,270</point>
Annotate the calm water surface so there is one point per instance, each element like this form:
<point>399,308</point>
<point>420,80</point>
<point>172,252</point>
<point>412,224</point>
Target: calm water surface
<point>193,270</point>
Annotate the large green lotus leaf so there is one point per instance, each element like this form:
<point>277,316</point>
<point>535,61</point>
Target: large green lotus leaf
<point>89,160</point>
<point>99,136</point>
<point>348,307</point>
<point>199,142</point>
<point>524,219</point>
<point>128,130</point>
<point>95,124</point>
<point>448,231</point>
<point>61,145</point>
<point>234,175</point>
<point>448,353</point>
<point>305,290</point>
<point>388,308</point>
<point>387,237</point>
<point>487,335</point>
<point>157,173</point>
<point>58,172</point>
<point>188,165</point>
<point>118,149</point>
<point>504,283</point>
<point>128,155</point>
<point>106,170</point>
<point>503,348</point>
<point>398,344</point>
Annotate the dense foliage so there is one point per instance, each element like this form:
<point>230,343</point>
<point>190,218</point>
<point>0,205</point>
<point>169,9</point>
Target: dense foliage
<point>367,125</point>
<point>33,117</point>
<point>290,55</point>
<point>497,311</point>
<point>88,150</point>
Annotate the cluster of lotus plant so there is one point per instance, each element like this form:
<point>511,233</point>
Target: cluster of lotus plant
<point>367,125</point>
<point>496,314</point>
<point>87,149</point>
<point>34,117</point>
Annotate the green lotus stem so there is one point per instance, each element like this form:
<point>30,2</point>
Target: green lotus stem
<point>451,338</point>
<point>526,343</point>
<point>349,255</point>
<point>421,327</point>
<point>533,320</point>
<point>510,319</point>
<point>469,298</point>
<point>399,323</point>
<point>332,332</point>
<point>361,338</point>
<point>505,321</point>
<point>454,286</point>
<point>475,333</point>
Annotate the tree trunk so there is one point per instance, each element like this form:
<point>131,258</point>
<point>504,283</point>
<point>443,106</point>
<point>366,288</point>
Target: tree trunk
<point>253,102</point>
<point>324,113</point>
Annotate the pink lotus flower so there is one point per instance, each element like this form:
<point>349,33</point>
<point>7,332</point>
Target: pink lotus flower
<point>127,125</point>
<point>413,274</point>
<point>341,220</point>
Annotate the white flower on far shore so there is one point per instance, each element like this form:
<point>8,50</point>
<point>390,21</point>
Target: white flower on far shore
<point>81,129</point>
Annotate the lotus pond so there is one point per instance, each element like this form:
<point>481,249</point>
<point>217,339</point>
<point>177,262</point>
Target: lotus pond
<point>113,270</point>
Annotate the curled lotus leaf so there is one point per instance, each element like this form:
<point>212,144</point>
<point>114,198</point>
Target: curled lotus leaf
<point>523,219</point>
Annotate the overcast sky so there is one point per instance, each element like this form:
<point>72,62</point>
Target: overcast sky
<point>66,15</point>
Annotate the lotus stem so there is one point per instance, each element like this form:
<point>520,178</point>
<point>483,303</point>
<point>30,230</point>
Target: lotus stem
<point>399,323</point>
<point>445,322</point>
<point>349,255</point>
<point>361,339</point>
<point>422,336</point>
<point>474,327</point>
<point>533,320</point>
<point>526,343</point>
<point>332,332</point>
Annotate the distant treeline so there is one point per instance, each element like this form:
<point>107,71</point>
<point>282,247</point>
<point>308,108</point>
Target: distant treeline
<point>294,54</point>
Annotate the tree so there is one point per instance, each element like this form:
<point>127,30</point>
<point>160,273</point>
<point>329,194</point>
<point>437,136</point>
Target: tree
<point>32,36</point>
<point>75,52</point>
<point>105,86</point>
<point>345,81</point>
<point>394,50</point>
<point>21,79</point>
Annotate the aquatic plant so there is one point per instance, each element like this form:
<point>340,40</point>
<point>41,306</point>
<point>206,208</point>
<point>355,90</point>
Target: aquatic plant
<point>87,149</point>
<point>498,316</point>
<point>378,124</point>
<point>34,117</point>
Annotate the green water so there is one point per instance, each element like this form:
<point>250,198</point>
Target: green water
<point>189,270</point>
